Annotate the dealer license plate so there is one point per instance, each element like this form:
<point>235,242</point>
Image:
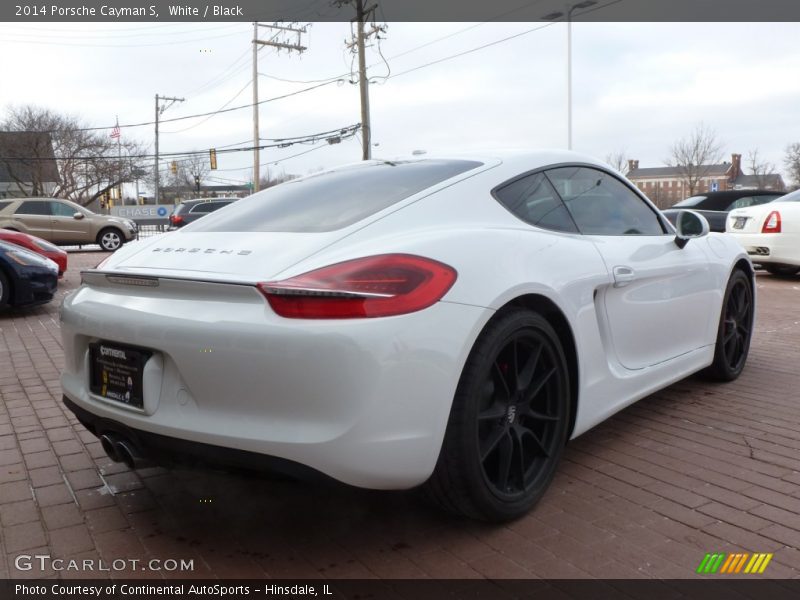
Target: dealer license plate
<point>116,372</point>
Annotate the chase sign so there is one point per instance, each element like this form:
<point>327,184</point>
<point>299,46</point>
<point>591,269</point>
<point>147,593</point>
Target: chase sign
<point>146,214</point>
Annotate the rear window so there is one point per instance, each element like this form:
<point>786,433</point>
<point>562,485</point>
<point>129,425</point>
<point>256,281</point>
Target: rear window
<point>207,207</point>
<point>334,199</point>
<point>4,204</point>
<point>693,201</point>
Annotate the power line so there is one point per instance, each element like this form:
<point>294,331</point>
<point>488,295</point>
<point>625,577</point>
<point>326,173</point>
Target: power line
<point>214,114</point>
<point>109,32</point>
<point>183,118</point>
<point>277,143</point>
<point>220,77</point>
<point>476,49</point>
<point>79,45</point>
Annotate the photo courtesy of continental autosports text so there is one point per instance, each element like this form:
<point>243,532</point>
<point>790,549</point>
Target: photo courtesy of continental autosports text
<point>215,590</point>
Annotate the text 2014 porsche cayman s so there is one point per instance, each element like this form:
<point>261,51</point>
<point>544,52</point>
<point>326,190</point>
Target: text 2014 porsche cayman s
<point>442,321</point>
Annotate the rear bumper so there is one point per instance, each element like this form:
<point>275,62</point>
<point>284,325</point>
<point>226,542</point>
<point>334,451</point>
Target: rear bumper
<point>365,402</point>
<point>770,248</point>
<point>167,451</point>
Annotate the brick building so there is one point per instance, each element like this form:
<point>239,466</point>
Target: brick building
<point>667,185</point>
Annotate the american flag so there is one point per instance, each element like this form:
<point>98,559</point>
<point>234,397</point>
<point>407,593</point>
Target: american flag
<point>115,133</point>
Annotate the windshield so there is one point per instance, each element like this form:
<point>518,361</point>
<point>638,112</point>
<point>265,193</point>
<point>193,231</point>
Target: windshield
<point>692,201</point>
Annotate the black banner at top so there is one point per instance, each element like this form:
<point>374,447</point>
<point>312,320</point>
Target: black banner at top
<point>401,10</point>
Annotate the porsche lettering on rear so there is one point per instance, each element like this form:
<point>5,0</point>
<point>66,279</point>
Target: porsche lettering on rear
<point>203,251</point>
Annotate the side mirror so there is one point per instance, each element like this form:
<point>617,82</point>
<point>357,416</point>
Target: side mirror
<point>78,216</point>
<point>689,225</point>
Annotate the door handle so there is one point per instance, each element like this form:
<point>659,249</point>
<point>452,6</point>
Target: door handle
<point>623,275</point>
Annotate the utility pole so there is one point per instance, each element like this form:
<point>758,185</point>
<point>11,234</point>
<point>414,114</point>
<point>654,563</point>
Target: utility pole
<point>281,44</point>
<point>362,15</point>
<point>159,111</point>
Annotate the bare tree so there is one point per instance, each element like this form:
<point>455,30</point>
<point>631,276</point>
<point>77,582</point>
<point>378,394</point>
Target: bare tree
<point>792,162</point>
<point>178,180</point>
<point>90,162</point>
<point>694,155</point>
<point>618,160</point>
<point>759,168</point>
<point>269,180</point>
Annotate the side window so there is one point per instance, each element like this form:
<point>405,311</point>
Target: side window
<point>217,205</point>
<point>205,207</point>
<point>59,209</point>
<point>33,207</point>
<point>534,200</point>
<point>600,204</point>
<point>3,204</point>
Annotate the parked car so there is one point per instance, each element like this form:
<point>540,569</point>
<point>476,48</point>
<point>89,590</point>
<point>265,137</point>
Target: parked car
<point>770,233</point>
<point>440,321</point>
<point>714,206</point>
<point>189,211</point>
<point>26,278</point>
<point>38,245</point>
<point>65,223</point>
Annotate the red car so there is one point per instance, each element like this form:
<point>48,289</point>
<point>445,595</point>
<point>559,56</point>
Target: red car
<point>38,245</point>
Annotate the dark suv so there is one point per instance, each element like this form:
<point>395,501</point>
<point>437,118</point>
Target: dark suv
<point>714,206</point>
<point>191,210</point>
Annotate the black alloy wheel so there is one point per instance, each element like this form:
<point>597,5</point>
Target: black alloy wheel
<point>508,423</point>
<point>520,414</point>
<point>735,329</point>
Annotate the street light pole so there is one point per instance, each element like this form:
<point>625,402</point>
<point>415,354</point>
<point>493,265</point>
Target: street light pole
<point>569,77</point>
<point>568,14</point>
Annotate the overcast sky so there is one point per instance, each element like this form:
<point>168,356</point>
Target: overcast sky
<point>637,87</point>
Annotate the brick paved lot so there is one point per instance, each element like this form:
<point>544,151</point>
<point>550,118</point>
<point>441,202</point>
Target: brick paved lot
<point>696,468</point>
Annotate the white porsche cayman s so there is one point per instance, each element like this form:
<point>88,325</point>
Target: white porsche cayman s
<point>442,321</point>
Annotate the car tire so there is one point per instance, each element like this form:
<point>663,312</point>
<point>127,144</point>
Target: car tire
<point>735,329</point>
<point>110,239</point>
<point>5,291</point>
<point>508,423</point>
<point>782,271</point>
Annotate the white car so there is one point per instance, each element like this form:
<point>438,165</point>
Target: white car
<point>770,233</point>
<point>441,321</point>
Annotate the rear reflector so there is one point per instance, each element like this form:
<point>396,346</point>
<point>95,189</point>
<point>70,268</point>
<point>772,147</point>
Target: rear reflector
<point>374,286</point>
<point>773,223</point>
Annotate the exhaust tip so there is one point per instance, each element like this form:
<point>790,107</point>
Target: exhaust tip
<point>129,454</point>
<point>109,447</point>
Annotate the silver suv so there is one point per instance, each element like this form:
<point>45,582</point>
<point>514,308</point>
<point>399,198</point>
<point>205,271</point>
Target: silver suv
<point>64,222</point>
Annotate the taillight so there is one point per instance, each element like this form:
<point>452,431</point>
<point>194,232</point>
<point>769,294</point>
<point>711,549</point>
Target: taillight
<point>175,219</point>
<point>773,223</point>
<point>374,286</point>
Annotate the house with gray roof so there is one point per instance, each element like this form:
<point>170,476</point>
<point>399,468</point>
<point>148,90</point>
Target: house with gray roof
<point>27,164</point>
